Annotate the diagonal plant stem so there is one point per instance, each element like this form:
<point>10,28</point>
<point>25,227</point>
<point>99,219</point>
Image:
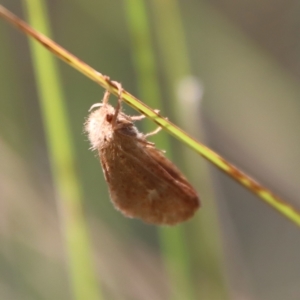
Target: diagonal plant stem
<point>265,194</point>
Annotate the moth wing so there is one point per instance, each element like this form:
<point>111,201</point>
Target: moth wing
<point>148,186</point>
<point>168,166</point>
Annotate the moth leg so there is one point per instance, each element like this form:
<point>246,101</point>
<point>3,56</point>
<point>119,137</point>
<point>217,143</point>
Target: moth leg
<point>105,99</point>
<point>141,117</point>
<point>118,108</point>
<point>157,130</point>
<point>137,118</point>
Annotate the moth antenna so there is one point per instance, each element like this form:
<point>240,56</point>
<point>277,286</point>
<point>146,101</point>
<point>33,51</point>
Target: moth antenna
<point>95,105</point>
<point>104,101</point>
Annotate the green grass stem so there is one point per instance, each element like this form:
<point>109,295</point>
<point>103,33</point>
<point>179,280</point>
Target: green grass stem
<point>176,66</point>
<point>62,159</point>
<point>172,240</point>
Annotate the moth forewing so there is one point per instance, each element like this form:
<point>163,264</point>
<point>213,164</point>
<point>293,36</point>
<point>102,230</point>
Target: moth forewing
<point>171,169</point>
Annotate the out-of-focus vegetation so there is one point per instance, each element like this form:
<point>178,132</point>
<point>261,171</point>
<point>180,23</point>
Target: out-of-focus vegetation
<point>237,89</point>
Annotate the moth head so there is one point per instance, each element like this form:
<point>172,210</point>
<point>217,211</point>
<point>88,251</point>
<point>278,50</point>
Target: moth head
<point>99,125</point>
<point>109,118</point>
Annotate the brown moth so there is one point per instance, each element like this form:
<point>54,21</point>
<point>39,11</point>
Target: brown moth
<point>142,182</point>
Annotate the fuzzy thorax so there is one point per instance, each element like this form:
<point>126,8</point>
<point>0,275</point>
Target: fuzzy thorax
<point>101,128</point>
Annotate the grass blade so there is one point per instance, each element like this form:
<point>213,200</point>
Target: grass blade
<point>177,69</point>
<point>69,195</point>
<point>172,240</point>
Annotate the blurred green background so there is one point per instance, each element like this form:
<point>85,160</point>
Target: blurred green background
<point>228,73</point>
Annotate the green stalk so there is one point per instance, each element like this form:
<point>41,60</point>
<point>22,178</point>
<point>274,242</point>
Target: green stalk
<point>62,158</point>
<point>172,240</point>
<point>176,65</point>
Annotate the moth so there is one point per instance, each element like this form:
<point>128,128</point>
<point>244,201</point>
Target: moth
<point>142,182</point>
